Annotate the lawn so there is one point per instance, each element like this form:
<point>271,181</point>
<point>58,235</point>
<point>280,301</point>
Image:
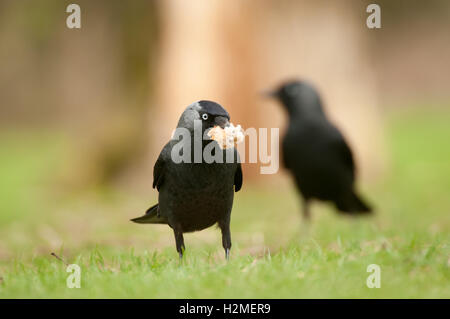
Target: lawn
<point>274,255</point>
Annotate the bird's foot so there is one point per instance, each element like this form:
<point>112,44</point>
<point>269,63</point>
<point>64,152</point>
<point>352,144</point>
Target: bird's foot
<point>227,254</point>
<point>180,258</point>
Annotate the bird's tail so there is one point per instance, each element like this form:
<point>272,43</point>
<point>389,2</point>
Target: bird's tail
<point>151,217</point>
<point>353,205</point>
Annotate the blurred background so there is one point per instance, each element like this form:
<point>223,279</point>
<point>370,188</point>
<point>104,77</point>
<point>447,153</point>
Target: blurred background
<point>85,112</point>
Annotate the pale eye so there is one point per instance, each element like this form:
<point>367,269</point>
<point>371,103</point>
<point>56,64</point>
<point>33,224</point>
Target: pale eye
<point>204,116</point>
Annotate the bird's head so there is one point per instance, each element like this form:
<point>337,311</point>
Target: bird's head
<point>297,97</point>
<point>209,113</point>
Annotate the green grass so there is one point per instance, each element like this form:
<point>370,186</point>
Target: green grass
<point>273,255</point>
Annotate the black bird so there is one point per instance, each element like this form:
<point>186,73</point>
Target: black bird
<point>315,152</point>
<point>195,195</point>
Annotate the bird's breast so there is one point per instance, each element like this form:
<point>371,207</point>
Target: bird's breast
<point>198,195</point>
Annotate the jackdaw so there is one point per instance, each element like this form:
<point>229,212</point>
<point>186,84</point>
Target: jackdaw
<point>315,152</point>
<point>195,194</point>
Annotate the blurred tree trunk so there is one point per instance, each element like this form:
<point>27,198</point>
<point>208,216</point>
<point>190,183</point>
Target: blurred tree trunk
<point>101,76</point>
<point>229,51</point>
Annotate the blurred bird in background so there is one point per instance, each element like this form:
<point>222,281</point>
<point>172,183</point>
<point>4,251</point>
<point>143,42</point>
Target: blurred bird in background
<point>194,196</point>
<point>316,153</point>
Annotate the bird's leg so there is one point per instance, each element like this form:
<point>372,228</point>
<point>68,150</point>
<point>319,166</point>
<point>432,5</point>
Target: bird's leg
<point>305,224</point>
<point>306,209</point>
<point>179,241</point>
<point>226,237</point>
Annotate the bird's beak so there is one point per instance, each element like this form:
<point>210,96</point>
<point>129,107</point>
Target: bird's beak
<point>221,121</point>
<point>269,94</point>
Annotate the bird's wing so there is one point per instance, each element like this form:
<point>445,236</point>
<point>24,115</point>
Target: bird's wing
<point>344,153</point>
<point>238,178</point>
<point>160,167</point>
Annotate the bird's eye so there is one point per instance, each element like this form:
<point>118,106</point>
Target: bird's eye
<point>204,116</point>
